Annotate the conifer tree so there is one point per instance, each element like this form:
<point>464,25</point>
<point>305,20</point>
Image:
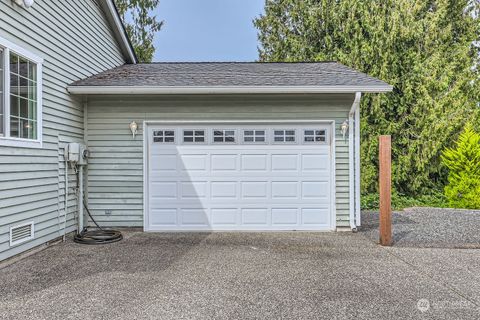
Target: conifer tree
<point>463,163</point>
<point>429,52</point>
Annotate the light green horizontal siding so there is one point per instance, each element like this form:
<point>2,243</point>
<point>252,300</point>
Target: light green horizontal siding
<point>75,41</point>
<point>115,171</point>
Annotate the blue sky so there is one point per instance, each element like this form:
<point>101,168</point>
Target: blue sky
<point>207,30</point>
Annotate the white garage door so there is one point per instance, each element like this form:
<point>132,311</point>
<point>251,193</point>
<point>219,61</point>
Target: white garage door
<point>243,177</point>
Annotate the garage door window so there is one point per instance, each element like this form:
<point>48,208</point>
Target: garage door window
<point>194,136</point>
<point>315,136</point>
<point>254,136</point>
<point>227,136</point>
<point>284,135</point>
<point>164,136</point>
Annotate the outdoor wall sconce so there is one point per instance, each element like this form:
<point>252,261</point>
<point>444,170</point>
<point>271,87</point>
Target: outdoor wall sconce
<point>133,127</point>
<point>25,3</point>
<point>344,128</point>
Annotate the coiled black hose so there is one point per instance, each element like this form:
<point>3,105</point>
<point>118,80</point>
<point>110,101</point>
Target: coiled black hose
<point>98,235</point>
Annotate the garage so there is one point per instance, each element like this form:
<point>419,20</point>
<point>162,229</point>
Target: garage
<point>239,176</point>
<point>225,146</point>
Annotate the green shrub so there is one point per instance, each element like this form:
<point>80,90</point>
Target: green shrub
<point>463,163</point>
<point>400,201</point>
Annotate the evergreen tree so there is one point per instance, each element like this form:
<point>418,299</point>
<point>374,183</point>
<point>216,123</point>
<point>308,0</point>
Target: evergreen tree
<point>426,49</point>
<point>140,25</point>
<point>463,163</point>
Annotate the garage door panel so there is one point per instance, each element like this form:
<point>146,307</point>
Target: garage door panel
<point>193,162</point>
<point>241,186</point>
<point>224,217</point>
<point>224,162</point>
<point>254,162</point>
<point>285,189</point>
<point>254,189</point>
<point>194,216</point>
<point>223,190</point>
<point>193,189</point>
<point>284,162</point>
<point>166,162</point>
<point>165,190</point>
<point>285,216</point>
<point>315,190</point>
<point>163,217</point>
<point>255,216</point>
<point>315,162</point>
<point>315,216</point>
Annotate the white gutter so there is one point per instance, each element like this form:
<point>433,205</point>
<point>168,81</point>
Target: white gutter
<point>352,156</point>
<point>223,89</point>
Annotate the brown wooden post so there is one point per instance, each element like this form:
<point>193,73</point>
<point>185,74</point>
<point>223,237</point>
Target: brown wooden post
<point>385,160</point>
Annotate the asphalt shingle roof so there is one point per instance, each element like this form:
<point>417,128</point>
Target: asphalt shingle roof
<point>231,74</point>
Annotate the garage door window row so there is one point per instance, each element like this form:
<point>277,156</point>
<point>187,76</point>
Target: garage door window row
<point>248,136</point>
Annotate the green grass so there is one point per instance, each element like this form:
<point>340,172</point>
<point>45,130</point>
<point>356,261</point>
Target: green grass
<point>400,201</point>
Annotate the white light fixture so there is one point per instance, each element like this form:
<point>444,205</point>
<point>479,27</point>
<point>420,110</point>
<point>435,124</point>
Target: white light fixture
<point>133,127</point>
<point>28,3</point>
<point>25,3</point>
<point>344,128</point>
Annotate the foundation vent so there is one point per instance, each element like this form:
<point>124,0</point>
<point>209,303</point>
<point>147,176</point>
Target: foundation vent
<point>21,233</point>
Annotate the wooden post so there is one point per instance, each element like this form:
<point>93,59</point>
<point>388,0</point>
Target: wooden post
<point>385,160</point>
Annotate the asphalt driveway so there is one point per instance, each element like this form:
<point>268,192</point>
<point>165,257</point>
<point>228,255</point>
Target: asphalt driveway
<point>242,276</point>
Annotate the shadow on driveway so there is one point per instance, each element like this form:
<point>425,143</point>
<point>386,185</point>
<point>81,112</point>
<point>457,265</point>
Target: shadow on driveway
<point>288,275</point>
<point>59,264</point>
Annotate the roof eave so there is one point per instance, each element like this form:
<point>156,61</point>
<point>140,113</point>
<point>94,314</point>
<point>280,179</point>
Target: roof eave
<point>113,18</point>
<point>113,90</point>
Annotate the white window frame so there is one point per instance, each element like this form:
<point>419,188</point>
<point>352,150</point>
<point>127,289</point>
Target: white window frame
<point>163,130</point>
<point>5,139</point>
<point>314,135</point>
<point>235,136</point>
<point>205,136</point>
<point>295,135</point>
<point>254,136</point>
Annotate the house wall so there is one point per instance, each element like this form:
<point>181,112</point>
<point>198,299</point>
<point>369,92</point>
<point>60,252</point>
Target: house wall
<point>115,170</point>
<point>75,41</point>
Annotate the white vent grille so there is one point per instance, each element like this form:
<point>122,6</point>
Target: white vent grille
<point>21,233</point>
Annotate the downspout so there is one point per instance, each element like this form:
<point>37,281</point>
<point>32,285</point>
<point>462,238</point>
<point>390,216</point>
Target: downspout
<point>352,161</point>
<point>358,215</point>
<point>65,157</point>
<point>80,199</point>
<point>84,195</point>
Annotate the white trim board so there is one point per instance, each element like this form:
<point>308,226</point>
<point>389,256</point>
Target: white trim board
<point>114,19</point>
<point>103,90</point>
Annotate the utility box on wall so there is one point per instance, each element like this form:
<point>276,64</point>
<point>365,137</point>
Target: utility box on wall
<point>77,153</point>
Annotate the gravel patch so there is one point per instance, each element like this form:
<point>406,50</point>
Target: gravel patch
<point>429,228</point>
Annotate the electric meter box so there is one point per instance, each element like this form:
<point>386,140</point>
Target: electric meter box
<point>72,150</point>
<point>77,153</point>
<point>84,154</point>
